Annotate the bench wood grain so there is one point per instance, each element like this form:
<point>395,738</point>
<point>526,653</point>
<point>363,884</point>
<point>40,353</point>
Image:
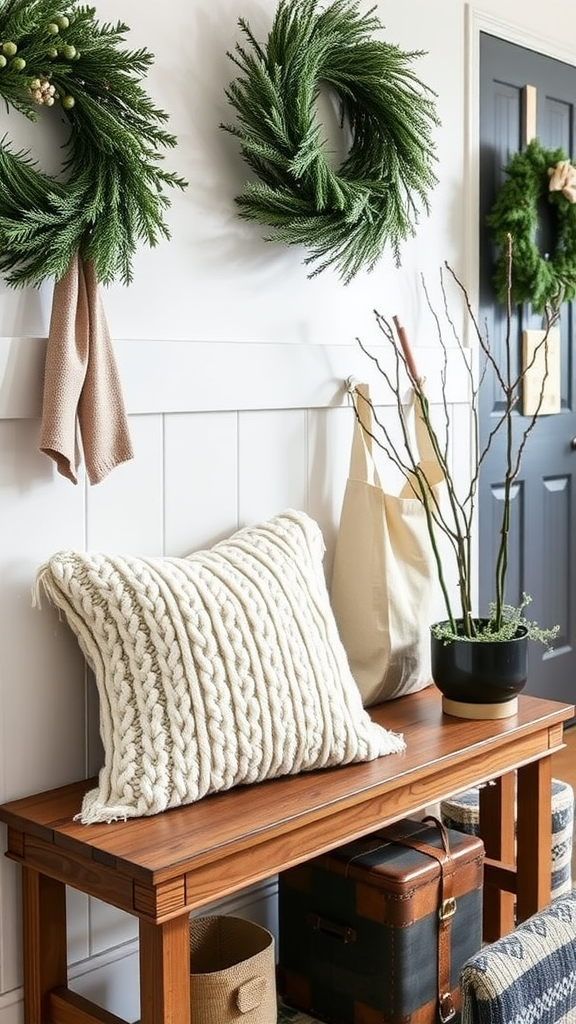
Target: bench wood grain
<point>163,867</point>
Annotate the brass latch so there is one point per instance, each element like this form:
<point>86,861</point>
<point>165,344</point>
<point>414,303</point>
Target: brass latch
<point>448,909</point>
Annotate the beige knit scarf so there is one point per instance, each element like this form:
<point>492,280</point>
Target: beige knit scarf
<point>83,408</point>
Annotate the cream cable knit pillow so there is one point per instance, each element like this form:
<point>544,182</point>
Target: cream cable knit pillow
<point>218,669</point>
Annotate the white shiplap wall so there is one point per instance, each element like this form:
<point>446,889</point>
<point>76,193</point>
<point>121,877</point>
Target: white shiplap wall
<point>224,435</point>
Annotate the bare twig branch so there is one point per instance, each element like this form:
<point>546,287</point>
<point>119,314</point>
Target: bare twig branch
<point>453,516</point>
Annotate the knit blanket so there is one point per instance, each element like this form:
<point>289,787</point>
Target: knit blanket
<point>83,408</point>
<point>529,976</point>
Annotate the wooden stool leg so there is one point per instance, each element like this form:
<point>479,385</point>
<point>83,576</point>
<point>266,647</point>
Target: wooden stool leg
<point>496,812</point>
<point>534,837</point>
<point>44,937</point>
<point>165,972</point>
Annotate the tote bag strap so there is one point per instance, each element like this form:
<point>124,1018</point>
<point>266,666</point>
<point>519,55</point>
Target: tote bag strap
<point>427,456</point>
<point>362,465</point>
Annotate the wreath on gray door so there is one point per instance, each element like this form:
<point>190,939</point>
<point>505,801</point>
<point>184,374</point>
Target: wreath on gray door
<point>544,279</point>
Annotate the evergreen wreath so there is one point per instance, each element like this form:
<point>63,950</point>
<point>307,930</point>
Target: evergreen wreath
<point>54,53</point>
<point>544,279</point>
<point>343,216</point>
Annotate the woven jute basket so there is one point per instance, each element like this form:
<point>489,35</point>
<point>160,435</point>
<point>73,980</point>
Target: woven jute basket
<point>232,971</point>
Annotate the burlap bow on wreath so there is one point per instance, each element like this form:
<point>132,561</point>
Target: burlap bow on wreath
<point>563,179</point>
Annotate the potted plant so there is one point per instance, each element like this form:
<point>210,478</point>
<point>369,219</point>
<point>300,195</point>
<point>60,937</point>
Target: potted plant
<point>479,662</point>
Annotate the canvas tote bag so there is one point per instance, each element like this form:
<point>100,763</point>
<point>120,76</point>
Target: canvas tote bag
<point>384,572</point>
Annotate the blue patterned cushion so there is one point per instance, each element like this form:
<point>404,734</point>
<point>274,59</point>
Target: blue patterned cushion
<point>462,813</point>
<point>529,976</point>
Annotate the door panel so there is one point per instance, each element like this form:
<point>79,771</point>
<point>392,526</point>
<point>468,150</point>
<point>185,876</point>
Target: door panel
<point>556,577</point>
<point>542,550</point>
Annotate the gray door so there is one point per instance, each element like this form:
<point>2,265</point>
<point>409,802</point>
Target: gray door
<point>543,548</point>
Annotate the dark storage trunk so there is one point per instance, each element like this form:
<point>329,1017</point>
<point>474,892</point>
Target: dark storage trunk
<point>359,927</point>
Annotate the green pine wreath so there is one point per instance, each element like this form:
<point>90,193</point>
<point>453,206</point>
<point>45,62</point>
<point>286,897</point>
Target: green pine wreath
<point>343,216</point>
<point>110,194</point>
<point>544,279</point>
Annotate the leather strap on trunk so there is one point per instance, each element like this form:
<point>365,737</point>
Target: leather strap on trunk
<point>446,910</point>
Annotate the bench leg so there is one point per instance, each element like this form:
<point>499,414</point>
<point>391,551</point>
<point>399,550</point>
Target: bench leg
<point>44,938</point>
<point>534,853</point>
<point>496,809</point>
<point>165,972</point>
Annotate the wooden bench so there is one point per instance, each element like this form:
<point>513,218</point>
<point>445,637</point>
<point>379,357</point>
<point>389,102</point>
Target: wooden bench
<point>161,868</point>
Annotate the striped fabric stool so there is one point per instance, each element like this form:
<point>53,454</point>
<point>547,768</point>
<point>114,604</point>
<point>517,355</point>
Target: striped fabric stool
<point>528,976</point>
<point>461,812</point>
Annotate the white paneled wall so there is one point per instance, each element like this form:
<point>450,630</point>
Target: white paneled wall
<point>233,435</point>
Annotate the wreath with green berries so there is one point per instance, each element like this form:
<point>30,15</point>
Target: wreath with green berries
<point>533,177</point>
<point>344,216</point>
<point>110,195</point>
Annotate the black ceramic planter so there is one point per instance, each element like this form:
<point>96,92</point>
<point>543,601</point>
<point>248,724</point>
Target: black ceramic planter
<point>480,679</point>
